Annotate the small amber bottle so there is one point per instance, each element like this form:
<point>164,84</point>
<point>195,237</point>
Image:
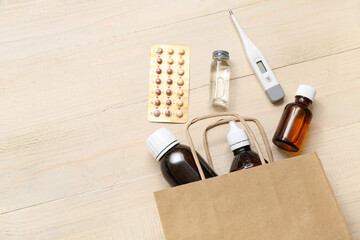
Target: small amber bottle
<point>239,143</point>
<point>295,120</point>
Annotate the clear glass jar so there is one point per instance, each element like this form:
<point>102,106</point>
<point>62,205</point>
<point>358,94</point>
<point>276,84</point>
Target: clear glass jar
<point>220,78</point>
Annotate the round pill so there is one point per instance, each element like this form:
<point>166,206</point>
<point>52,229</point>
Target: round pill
<point>170,61</point>
<point>179,113</point>
<point>168,113</point>
<point>168,102</point>
<point>159,51</point>
<point>170,51</point>
<point>181,72</point>
<point>159,60</point>
<point>180,92</point>
<point>181,51</point>
<point>158,81</point>
<point>180,82</point>
<point>156,113</point>
<point>168,92</point>
<point>181,61</point>
<point>179,103</point>
<point>157,91</point>
<point>169,71</point>
<point>169,81</point>
<point>158,70</point>
<point>157,102</point>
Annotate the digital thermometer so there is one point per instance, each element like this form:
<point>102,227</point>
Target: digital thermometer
<point>260,66</point>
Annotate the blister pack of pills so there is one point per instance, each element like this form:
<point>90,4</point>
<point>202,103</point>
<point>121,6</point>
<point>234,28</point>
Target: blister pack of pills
<point>169,83</point>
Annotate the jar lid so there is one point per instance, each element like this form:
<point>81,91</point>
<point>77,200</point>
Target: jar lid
<point>306,91</point>
<point>160,142</point>
<point>221,54</point>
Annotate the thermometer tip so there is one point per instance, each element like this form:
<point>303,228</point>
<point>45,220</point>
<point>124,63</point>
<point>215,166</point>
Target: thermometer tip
<point>231,12</point>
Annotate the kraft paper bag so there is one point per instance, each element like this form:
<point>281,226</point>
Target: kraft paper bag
<point>285,200</point>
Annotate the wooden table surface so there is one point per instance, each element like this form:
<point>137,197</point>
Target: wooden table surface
<point>73,99</point>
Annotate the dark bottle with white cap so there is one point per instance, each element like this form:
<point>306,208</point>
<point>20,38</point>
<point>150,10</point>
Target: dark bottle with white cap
<point>240,145</point>
<point>176,160</point>
<point>295,120</point>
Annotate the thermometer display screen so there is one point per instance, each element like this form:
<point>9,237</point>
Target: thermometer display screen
<point>261,66</point>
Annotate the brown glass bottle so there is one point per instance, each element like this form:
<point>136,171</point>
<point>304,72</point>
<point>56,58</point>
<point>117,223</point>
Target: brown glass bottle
<point>178,166</point>
<point>295,120</point>
<point>240,145</point>
<point>176,160</point>
<point>244,158</point>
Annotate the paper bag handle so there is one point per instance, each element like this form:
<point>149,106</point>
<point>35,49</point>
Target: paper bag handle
<point>223,121</point>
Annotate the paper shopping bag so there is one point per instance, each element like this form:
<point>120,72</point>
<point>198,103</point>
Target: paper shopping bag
<point>286,200</point>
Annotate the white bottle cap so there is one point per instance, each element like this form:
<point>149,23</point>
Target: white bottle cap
<point>161,141</point>
<point>306,91</point>
<point>237,137</point>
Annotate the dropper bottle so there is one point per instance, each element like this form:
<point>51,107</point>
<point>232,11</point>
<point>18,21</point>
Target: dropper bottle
<point>239,144</point>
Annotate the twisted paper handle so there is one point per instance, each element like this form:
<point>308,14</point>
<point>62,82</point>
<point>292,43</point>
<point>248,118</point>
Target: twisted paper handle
<point>224,121</point>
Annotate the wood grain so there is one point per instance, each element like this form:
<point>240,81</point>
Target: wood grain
<point>73,94</point>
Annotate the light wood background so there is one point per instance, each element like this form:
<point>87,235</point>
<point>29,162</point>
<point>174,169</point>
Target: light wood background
<point>73,100</point>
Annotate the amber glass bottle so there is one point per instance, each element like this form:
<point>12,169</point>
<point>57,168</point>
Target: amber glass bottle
<point>244,158</point>
<point>239,143</point>
<point>176,160</point>
<point>295,120</point>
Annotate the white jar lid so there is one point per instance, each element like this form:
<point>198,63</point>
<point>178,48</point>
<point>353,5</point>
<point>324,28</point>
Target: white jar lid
<point>306,91</point>
<point>161,141</point>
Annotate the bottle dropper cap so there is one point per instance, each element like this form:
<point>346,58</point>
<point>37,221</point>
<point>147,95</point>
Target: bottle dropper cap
<point>237,137</point>
<point>306,91</point>
<point>161,141</point>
